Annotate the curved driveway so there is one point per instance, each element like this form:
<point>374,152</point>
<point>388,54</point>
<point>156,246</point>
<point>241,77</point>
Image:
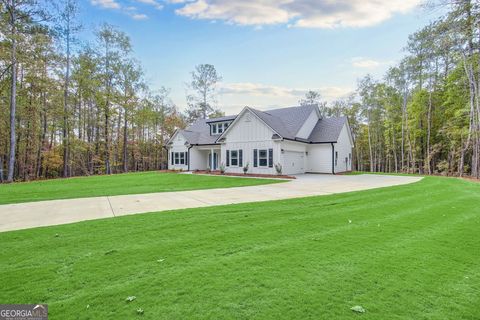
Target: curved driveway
<point>54,212</point>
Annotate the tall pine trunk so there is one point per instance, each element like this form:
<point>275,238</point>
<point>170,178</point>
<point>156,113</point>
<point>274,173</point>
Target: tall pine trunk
<point>125,141</point>
<point>13,94</point>
<point>65,128</point>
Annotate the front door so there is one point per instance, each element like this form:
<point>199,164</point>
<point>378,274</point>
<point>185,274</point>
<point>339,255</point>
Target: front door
<point>214,165</point>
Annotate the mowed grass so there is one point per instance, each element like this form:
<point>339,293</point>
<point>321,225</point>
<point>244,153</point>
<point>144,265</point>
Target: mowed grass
<point>129,183</point>
<point>408,252</point>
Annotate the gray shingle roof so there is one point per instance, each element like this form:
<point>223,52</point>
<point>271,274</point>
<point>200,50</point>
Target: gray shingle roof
<point>225,118</point>
<point>286,122</point>
<point>327,129</point>
<point>199,133</point>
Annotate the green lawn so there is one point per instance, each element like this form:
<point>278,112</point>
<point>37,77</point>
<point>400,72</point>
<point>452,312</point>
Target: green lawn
<point>409,252</point>
<point>130,183</point>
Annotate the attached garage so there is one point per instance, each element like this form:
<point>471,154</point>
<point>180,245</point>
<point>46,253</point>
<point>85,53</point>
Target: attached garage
<point>293,162</point>
<point>320,158</point>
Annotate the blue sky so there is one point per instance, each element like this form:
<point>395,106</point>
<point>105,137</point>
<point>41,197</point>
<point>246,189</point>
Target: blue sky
<point>269,52</point>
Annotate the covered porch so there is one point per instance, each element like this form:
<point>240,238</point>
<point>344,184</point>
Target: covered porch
<point>209,157</point>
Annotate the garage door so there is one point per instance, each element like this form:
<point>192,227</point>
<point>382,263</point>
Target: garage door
<point>293,162</point>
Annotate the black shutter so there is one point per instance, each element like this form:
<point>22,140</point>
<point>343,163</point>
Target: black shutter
<point>228,158</point>
<point>240,158</point>
<point>186,158</point>
<point>270,158</point>
<point>255,157</point>
<point>172,160</point>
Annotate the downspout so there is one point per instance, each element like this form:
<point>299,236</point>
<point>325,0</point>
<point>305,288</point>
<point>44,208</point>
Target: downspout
<point>333,158</point>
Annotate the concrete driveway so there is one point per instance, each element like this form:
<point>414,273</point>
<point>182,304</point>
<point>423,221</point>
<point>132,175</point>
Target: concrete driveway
<point>54,212</point>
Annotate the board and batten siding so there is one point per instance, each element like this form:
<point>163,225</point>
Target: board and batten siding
<point>249,133</point>
<point>319,158</point>
<point>344,148</point>
<point>178,145</point>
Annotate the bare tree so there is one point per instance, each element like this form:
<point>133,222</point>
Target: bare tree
<point>203,84</point>
<point>314,98</point>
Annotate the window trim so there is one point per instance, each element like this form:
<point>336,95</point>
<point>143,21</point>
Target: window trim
<point>232,157</point>
<point>179,158</point>
<point>260,158</point>
<point>219,127</point>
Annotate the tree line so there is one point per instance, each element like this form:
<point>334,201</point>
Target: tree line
<point>71,108</point>
<point>423,116</point>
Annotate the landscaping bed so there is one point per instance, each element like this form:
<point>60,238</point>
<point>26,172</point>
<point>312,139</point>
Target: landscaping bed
<point>253,175</point>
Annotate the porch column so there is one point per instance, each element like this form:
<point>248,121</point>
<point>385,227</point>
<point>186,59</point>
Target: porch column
<point>211,159</point>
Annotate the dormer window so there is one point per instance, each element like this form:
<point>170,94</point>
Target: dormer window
<point>218,127</point>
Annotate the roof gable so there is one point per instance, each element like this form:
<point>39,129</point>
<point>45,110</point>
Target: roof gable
<point>284,122</point>
<point>255,113</point>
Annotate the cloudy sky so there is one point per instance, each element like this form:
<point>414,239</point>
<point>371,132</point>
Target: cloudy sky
<point>269,52</point>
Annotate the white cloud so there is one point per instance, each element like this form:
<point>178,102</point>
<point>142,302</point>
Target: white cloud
<point>234,96</point>
<point>298,13</point>
<point>247,12</point>
<point>360,62</point>
<point>139,16</point>
<point>329,93</point>
<point>153,3</point>
<point>107,4</point>
<point>128,10</point>
<point>366,63</point>
<point>349,13</point>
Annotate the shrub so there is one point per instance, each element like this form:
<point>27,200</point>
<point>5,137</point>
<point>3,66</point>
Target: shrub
<point>222,168</point>
<point>278,168</point>
<point>245,169</point>
<point>443,167</point>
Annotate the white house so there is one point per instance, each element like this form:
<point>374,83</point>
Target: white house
<point>298,138</point>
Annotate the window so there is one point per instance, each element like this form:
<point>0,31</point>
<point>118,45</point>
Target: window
<point>178,158</point>
<point>234,157</point>
<point>182,157</point>
<point>263,157</point>
<point>219,127</point>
